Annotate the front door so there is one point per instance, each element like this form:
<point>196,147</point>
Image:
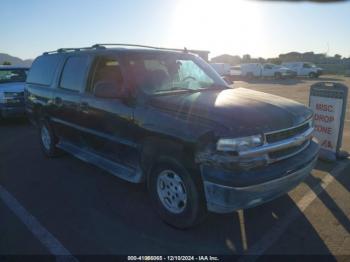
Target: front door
<point>108,122</point>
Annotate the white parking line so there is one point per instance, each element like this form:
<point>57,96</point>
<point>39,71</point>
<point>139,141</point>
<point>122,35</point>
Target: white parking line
<point>275,233</point>
<point>34,226</point>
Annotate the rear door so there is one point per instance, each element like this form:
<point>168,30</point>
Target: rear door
<point>267,70</point>
<point>66,97</point>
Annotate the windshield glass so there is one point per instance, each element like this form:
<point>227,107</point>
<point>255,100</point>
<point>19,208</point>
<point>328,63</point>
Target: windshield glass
<point>162,73</point>
<point>13,75</point>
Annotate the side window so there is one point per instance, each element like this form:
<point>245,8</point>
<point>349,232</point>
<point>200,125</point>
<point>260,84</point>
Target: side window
<point>74,71</point>
<point>106,69</point>
<point>154,65</point>
<point>306,66</point>
<point>43,69</point>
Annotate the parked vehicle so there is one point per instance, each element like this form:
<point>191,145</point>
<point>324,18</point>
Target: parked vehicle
<point>277,71</point>
<point>304,69</point>
<point>222,69</point>
<point>166,118</point>
<point>235,71</point>
<point>12,83</point>
<point>266,70</point>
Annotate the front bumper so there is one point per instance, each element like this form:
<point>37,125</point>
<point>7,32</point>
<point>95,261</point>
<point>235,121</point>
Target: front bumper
<point>7,110</point>
<point>225,197</point>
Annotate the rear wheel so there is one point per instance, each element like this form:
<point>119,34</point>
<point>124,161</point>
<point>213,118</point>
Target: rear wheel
<point>177,196</point>
<point>250,75</point>
<point>312,75</point>
<point>278,75</point>
<point>48,140</point>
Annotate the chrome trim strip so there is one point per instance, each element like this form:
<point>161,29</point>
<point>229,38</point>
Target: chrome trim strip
<point>273,160</point>
<point>309,121</point>
<point>113,138</point>
<point>266,148</point>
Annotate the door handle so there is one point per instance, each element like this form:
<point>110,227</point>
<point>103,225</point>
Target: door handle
<point>84,106</point>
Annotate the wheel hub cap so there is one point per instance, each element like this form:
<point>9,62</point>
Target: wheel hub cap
<point>171,191</point>
<point>45,137</point>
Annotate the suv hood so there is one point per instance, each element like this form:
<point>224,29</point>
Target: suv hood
<point>242,111</point>
<point>12,87</point>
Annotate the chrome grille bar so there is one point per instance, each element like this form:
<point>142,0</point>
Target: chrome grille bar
<point>283,144</point>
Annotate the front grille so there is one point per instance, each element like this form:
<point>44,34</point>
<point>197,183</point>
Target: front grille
<point>14,94</point>
<point>14,99</point>
<point>287,152</point>
<point>285,134</point>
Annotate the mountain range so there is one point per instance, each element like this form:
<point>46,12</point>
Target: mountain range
<point>15,61</point>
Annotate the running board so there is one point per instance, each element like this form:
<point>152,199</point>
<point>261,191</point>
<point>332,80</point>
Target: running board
<point>121,171</point>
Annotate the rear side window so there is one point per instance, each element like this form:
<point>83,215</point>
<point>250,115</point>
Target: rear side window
<point>43,69</point>
<point>74,71</point>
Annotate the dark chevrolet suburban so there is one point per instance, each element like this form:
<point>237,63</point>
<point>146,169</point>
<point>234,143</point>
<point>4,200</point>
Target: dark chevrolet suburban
<point>166,118</point>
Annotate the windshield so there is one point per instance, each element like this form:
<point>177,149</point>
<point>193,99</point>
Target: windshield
<point>13,75</point>
<point>163,73</point>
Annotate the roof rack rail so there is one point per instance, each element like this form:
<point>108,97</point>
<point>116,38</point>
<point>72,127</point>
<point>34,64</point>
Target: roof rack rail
<point>73,49</point>
<point>143,46</point>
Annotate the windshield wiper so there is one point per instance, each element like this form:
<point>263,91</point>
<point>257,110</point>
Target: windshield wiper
<point>215,87</point>
<point>185,90</point>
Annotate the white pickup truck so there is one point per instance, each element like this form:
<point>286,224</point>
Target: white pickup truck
<point>222,69</point>
<point>304,69</point>
<point>262,70</point>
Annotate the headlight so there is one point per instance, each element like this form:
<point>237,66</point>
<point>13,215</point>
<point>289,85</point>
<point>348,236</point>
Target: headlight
<point>239,144</point>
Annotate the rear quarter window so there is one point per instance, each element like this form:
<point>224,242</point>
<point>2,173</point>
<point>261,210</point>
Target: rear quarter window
<point>74,73</point>
<point>43,69</point>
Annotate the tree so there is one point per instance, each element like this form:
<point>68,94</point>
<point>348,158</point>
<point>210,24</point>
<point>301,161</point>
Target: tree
<point>6,63</point>
<point>337,56</point>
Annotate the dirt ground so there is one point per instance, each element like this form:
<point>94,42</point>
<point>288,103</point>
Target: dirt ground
<point>298,89</point>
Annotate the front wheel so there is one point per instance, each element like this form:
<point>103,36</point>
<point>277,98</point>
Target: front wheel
<point>177,196</point>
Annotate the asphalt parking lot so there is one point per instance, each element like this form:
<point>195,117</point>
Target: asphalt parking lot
<point>53,206</point>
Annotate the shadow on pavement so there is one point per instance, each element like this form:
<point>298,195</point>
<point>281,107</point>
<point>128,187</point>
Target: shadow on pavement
<point>93,212</point>
<point>9,122</point>
<point>291,81</point>
<point>330,203</point>
<point>331,79</point>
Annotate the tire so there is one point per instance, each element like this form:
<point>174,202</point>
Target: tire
<point>278,75</point>
<point>312,75</point>
<point>48,140</point>
<point>177,195</point>
<point>250,75</point>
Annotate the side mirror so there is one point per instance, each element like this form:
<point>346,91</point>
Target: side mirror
<point>107,90</point>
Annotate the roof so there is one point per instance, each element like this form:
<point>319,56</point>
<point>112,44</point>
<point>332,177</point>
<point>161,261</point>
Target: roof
<point>123,48</point>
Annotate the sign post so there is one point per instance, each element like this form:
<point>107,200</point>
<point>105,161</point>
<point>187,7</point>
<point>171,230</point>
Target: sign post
<point>328,101</point>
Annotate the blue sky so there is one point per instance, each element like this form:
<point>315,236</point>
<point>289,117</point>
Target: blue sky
<point>221,26</point>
